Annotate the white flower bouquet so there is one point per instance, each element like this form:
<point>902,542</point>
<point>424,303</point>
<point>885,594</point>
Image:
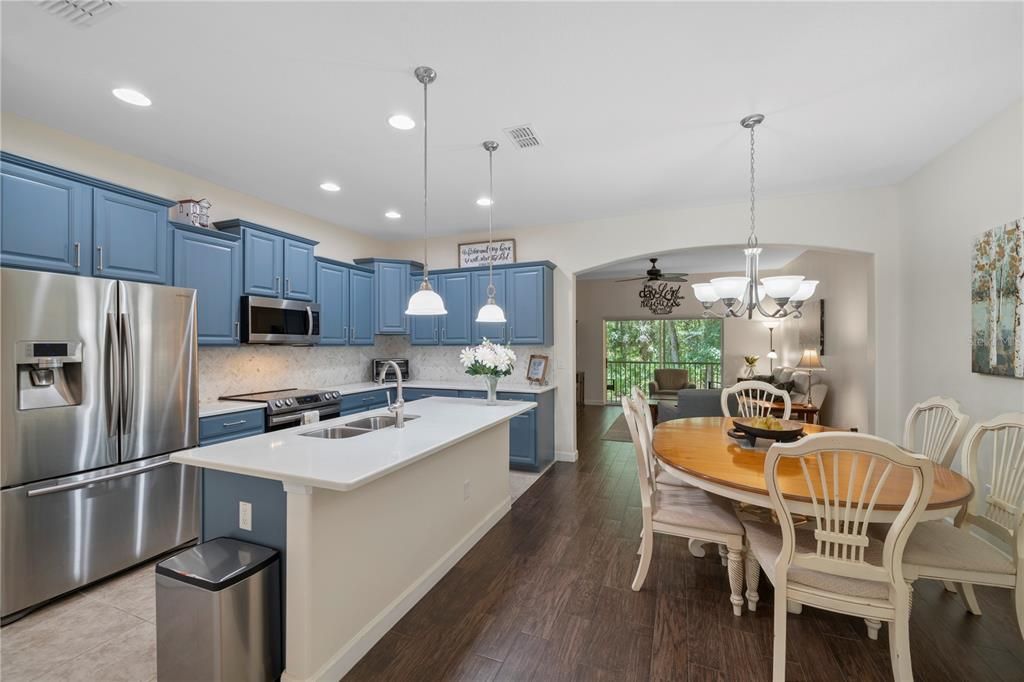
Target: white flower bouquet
<point>488,359</point>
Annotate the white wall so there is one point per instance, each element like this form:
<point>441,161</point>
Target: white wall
<point>974,186</point>
<point>846,280</point>
<point>40,143</point>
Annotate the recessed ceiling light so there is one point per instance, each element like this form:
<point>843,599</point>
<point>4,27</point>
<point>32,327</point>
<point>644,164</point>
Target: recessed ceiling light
<point>330,187</point>
<point>484,201</point>
<point>131,97</point>
<point>394,215</point>
<point>402,122</point>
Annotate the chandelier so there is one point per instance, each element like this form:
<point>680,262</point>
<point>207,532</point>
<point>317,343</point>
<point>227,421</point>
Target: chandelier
<point>743,295</point>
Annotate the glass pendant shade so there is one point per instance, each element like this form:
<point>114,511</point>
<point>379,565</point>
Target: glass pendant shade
<point>491,312</point>
<point>705,293</point>
<point>782,287</point>
<point>425,302</point>
<point>730,287</point>
<point>805,291</point>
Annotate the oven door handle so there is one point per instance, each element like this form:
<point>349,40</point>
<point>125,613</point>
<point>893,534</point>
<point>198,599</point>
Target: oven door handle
<point>309,319</point>
<point>295,418</point>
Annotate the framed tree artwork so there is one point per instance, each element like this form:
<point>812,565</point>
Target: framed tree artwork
<point>997,301</point>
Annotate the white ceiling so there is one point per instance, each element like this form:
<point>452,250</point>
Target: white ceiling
<point>698,261</point>
<point>636,104</point>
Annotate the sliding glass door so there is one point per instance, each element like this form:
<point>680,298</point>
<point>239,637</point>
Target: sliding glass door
<point>635,348</point>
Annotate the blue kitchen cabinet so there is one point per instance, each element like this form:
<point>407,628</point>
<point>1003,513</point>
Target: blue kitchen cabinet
<point>231,426</point>
<point>457,325</point>
<point>530,305</point>
<point>275,264</point>
<point>391,293</point>
<point>425,330</point>
<point>453,329</point>
<point>531,443</point>
<point>410,394</point>
<point>332,285</point>
<point>211,263</point>
<point>370,400</point>
<point>45,221</point>
<point>522,441</point>
<point>130,237</point>
<point>299,270</point>
<point>492,331</point>
<point>263,264</point>
<point>361,307</point>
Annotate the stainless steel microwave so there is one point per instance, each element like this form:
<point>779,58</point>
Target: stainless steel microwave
<point>280,321</point>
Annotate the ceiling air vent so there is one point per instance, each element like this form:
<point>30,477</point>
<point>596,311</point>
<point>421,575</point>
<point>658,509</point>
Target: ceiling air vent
<point>523,136</point>
<point>79,13</point>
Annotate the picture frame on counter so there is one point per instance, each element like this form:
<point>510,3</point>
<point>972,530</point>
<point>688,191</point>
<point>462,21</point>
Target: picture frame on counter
<point>475,254</point>
<point>537,370</point>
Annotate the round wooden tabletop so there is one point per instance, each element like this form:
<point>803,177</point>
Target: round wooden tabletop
<point>700,448</point>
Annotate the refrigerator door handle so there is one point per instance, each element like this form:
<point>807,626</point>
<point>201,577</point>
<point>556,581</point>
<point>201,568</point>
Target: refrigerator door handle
<point>113,375</point>
<point>128,394</point>
<point>61,487</point>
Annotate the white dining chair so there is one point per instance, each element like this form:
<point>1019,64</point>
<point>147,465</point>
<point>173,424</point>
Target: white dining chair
<point>935,428</point>
<point>754,399</point>
<point>836,564</point>
<point>950,552</point>
<point>683,512</point>
<point>662,475</point>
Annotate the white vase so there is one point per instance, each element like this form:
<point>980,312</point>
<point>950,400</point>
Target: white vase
<point>492,389</point>
<point>748,371</point>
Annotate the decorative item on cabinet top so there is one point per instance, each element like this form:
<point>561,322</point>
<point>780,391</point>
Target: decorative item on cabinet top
<point>194,212</point>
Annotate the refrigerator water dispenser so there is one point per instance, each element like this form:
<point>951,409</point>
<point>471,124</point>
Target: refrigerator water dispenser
<point>49,374</point>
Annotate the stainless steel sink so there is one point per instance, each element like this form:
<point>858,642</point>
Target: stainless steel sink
<point>382,421</point>
<point>357,428</point>
<point>336,432</point>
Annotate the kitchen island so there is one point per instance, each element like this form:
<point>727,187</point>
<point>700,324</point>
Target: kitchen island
<point>375,520</point>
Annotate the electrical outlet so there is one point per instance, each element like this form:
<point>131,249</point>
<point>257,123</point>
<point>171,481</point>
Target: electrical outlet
<point>244,515</point>
<point>465,491</point>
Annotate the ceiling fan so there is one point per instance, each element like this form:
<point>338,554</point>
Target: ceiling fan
<point>656,275</point>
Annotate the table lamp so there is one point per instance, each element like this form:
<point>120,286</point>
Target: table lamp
<point>810,362</point>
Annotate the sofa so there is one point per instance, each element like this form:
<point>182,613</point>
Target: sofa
<point>708,402</point>
<point>667,382</point>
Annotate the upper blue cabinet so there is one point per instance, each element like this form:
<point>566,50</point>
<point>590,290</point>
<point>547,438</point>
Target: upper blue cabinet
<point>530,295</point>
<point>211,263</point>
<point>453,329</point>
<point>275,264</point>
<point>61,221</point>
<point>390,293</point>
<point>129,238</point>
<point>497,332</point>
<point>344,293</point>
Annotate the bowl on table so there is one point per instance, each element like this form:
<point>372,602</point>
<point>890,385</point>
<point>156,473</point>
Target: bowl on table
<point>769,428</point>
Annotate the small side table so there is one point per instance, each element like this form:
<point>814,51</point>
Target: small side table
<point>804,411</point>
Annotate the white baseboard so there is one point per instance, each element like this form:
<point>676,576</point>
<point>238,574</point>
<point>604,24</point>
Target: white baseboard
<point>562,456</point>
<point>357,647</point>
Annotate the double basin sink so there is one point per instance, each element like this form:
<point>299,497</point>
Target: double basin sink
<point>357,427</point>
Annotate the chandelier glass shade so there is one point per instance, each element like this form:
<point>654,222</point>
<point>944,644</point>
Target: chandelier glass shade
<point>743,296</point>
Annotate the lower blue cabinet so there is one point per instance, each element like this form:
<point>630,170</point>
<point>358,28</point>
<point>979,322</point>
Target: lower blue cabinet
<point>522,440</point>
<point>532,434</point>
<point>230,426</point>
<point>410,394</point>
<point>361,402</point>
<point>211,263</point>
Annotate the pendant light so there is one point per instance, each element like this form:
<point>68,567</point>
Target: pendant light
<point>742,296</point>
<point>491,311</point>
<point>425,301</point>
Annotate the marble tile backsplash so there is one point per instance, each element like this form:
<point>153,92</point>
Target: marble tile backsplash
<point>245,369</point>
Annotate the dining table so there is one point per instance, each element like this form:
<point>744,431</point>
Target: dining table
<point>700,451</point>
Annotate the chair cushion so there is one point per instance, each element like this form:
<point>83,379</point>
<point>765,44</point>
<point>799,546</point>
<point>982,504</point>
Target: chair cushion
<point>695,508</point>
<point>765,541</point>
<point>942,545</point>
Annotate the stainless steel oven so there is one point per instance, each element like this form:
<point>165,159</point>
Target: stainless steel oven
<point>277,320</point>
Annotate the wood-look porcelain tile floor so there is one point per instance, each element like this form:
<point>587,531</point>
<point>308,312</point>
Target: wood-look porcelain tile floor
<point>545,596</point>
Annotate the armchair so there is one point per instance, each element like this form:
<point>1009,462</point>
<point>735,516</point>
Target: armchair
<point>667,382</point>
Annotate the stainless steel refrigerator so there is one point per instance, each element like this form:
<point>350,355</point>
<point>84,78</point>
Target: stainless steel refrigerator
<point>99,383</point>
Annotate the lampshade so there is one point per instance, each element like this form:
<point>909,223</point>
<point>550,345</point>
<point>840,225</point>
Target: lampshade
<point>805,291</point>
<point>730,287</point>
<point>491,312</point>
<point>810,361</point>
<point>705,293</point>
<point>782,287</point>
<point>425,302</point>
<point>772,355</point>
<point>771,324</point>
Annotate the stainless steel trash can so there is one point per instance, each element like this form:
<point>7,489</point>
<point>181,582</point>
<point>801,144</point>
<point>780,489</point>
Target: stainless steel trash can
<point>218,613</point>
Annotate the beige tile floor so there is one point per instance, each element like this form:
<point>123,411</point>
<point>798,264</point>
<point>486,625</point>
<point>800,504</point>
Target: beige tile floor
<point>106,632</point>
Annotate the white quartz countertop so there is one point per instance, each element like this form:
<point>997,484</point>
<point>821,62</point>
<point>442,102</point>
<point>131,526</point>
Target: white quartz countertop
<point>218,407</point>
<point>346,464</point>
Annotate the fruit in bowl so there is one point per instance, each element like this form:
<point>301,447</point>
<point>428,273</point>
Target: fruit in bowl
<point>766,423</point>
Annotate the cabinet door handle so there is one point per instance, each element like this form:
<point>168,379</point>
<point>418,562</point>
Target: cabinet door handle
<point>99,252</point>
<point>444,334</point>
<point>234,423</point>
<point>287,286</point>
<point>236,330</point>
<point>78,254</point>
<point>277,284</point>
